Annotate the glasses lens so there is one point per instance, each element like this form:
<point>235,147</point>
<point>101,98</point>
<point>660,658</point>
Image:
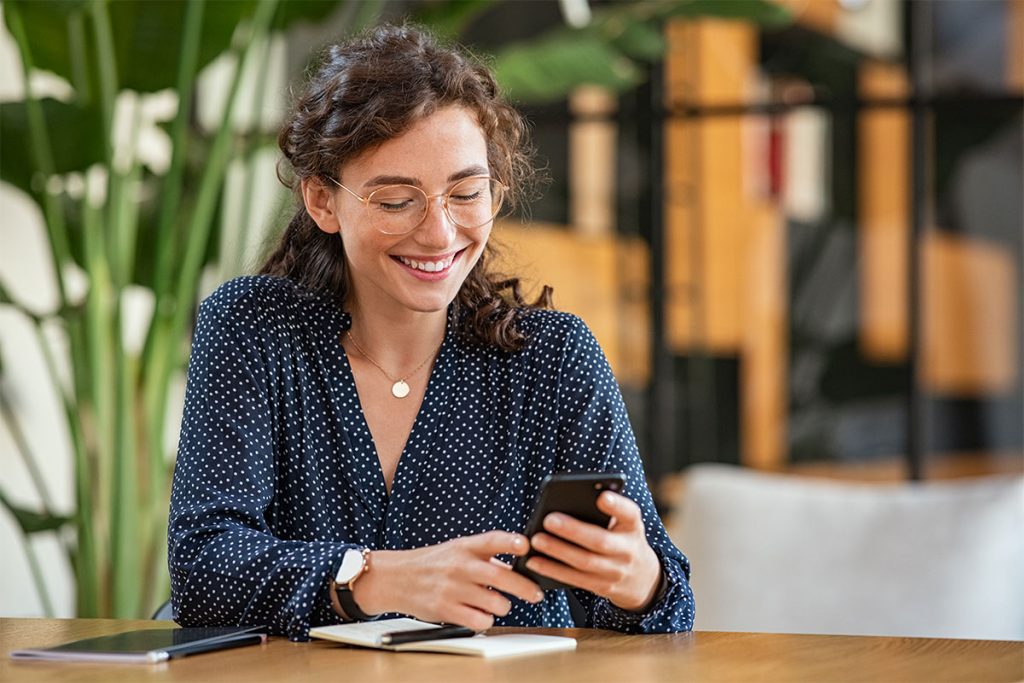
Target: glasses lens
<point>473,202</point>
<point>396,209</point>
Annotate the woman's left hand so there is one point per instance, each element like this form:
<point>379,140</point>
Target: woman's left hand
<point>615,563</point>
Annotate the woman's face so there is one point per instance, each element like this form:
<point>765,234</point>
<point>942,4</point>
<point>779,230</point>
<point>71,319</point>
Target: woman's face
<point>433,155</point>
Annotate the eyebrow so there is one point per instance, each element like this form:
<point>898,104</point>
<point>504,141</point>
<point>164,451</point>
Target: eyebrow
<point>467,172</point>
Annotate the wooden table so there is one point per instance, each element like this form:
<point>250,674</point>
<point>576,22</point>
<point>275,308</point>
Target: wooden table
<point>600,656</point>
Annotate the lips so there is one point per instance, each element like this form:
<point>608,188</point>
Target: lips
<point>429,268</point>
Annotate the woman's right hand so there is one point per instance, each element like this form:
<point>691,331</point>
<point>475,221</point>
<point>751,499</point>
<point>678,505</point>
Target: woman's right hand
<point>450,582</point>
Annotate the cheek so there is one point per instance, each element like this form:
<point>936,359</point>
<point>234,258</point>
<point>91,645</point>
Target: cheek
<point>362,246</point>
<point>480,239</point>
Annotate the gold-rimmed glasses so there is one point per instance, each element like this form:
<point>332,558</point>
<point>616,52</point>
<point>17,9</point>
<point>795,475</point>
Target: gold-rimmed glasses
<point>399,209</point>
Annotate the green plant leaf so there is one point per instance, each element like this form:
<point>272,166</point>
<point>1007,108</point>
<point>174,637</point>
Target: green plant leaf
<point>46,26</point>
<point>74,130</point>
<point>636,39</point>
<point>755,11</point>
<point>545,70</point>
<point>146,38</point>
<point>304,10</point>
<point>449,18</point>
<point>31,522</point>
<point>146,46</point>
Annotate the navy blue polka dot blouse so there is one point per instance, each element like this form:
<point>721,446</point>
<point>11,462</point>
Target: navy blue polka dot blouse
<point>277,474</point>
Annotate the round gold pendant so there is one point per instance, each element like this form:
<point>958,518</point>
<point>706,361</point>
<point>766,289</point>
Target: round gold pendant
<point>400,389</point>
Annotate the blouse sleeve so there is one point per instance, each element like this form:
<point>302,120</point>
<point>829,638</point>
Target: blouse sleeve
<point>595,435</point>
<point>226,566</point>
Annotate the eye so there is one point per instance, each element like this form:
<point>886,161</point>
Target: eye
<point>394,205</point>
<point>464,197</point>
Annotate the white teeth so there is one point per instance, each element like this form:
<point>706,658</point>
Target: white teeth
<point>427,266</point>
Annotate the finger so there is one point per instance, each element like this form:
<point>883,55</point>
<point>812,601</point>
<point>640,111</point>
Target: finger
<point>566,574</point>
<point>622,510</point>
<point>590,536</point>
<point>501,577</point>
<point>469,617</point>
<point>485,600</point>
<point>497,543</point>
<point>572,555</point>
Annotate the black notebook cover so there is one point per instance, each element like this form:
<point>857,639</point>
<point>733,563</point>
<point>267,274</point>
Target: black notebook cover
<point>148,645</point>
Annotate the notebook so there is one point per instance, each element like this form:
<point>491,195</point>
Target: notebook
<point>368,634</point>
<point>148,646</point>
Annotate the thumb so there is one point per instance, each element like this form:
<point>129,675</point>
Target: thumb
<point>624,512</point>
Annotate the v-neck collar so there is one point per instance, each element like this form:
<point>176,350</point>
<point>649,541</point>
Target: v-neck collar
<point>361,453</point>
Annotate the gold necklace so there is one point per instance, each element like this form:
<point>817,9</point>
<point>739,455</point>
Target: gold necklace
<point>399,387</point>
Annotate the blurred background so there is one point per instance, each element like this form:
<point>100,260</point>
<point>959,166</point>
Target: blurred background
<point>795,226</point>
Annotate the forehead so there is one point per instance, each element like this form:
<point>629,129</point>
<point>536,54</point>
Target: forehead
<point>434,147</point>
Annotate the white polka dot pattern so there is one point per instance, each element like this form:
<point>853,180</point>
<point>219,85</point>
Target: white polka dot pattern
<point>277,474</point>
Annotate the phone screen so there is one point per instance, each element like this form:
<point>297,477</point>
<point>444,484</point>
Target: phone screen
<point>574,495</point>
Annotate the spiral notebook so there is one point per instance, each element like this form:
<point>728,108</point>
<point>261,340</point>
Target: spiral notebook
<point>369,633</point>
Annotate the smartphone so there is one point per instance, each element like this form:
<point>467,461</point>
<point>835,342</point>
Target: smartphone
<point>574,495</point>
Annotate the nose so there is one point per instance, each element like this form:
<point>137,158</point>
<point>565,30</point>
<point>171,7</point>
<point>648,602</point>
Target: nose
<point>437,230</point>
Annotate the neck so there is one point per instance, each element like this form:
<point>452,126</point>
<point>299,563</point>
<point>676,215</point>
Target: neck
<point>398,343</point>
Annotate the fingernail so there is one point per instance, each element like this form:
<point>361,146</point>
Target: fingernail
<point>554,519</point>
<point>519,541</point>
<point>538,597</point>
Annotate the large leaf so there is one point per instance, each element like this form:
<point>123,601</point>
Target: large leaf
<point>755,11</point>
<point>290,11</point>
<point>32,522</point>
<point>636,27</point>
<point>637,39</point>
<point>547,69</point>
<point>147,35</point>
<point>449,17</point>
<point>75,137</point>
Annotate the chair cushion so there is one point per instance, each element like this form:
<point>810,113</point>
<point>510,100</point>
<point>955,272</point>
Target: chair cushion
<point>789,554</point>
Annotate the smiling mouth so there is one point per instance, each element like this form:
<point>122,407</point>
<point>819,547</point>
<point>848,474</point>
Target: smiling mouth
<point>437,266</point>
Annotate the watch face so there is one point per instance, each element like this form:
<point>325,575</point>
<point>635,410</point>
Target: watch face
<point>351,565</point>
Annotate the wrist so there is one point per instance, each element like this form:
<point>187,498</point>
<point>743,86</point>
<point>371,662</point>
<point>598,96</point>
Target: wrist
<point>355,564</point>
<point>651,585</point>
<point>370,592</point>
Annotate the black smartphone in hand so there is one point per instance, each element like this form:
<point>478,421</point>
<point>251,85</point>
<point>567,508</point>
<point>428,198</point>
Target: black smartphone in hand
<point>574,495</point>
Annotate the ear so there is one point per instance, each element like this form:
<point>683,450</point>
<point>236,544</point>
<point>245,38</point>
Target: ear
<point>320,204</point>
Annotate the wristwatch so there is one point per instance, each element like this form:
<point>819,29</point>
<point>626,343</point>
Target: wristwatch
<point>354,563</point>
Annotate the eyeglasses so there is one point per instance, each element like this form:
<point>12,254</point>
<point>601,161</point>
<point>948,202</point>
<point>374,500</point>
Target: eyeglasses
<point>399,209</point>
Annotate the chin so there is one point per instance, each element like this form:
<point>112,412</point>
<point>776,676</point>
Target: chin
<point>432,305</point>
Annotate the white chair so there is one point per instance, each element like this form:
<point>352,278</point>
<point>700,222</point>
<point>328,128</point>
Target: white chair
<point>788,554</point>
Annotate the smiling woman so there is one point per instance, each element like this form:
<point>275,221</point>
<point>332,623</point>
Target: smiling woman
<point>367,423</point>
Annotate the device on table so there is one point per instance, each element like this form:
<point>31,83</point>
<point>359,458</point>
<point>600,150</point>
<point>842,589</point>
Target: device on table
<point>149,646</point>
<point>574,495</point>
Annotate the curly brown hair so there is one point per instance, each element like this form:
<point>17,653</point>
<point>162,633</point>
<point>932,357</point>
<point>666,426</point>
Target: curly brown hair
<point>370,90</point>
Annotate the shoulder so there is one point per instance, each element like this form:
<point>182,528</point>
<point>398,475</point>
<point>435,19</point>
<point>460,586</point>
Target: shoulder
<point>549,331</point>
<point>263,301</point>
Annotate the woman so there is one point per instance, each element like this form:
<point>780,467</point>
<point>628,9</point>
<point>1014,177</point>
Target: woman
<point>367,423</point>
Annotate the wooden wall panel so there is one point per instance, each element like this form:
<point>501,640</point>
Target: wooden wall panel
<point>1015,45</point>
<point>970,328</point>
<point>726,259</point>
<point>883,236</point>
<point>683,312</point>
<point>822,15</point>
<point>710,63</point>
<point>763,368</point>
<point>592,162</point>
<point>590,276</point>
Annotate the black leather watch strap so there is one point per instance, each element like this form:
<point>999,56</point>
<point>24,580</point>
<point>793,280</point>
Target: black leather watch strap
<point>349,606</point>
